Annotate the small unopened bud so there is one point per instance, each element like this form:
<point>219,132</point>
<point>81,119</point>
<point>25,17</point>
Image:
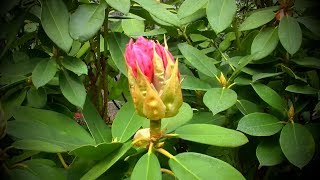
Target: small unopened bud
<point>142,138</point>
<point>223,81</point>
<point>291,113</point>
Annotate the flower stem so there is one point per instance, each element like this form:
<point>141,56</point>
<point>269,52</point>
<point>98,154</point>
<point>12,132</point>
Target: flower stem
<point>64,164</point>
<point>155,130</point>
<point>165,153</point>
<point>167,171</point>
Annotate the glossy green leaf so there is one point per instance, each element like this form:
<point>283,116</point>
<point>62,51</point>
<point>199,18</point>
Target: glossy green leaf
<point>195,166</point>
<point>269,153</point>
<point>247,107</point>
<point>270,96</point>
<point>207,118</point>
<point>259,76</point>
<point>308,62</point>
<point>220,14</point>
<point>75,65</point>
<point>48,126</point>
<point>126,123</point>
<point>193,17</point>
<point>44,72</point>
<point>301,89</point>
<point>38,145</point>
<point>264,43</point>
<point>184,115</point>
<point>157,10</point>
<point>10,103</point>
<point>189,7</point>
<point>86,21</point>
<point>38,169</point>
<point>259,124</point>
<point>289,71</point>
<point>102,166</point>
<point>72,88</point>
<point>120,5</point>
<point>257,19</point>
<point>297,144</point>
<point>198,59</point>
<point>290,34</point>
<point>37,97</point>
<point>117,45</point>
<point>95,152</point>
<point>212,135</point>
<point>219,99</point>
<point>147,168</point>
<point>193,83</point>
<point>311,23</point>
<point>76,45</point>
<point>132,26</point>
<point>153,32</point>
<point>96,125</point>
<point>55,22</point>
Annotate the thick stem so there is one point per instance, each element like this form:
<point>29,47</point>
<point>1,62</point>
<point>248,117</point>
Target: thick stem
<point>155,130</point>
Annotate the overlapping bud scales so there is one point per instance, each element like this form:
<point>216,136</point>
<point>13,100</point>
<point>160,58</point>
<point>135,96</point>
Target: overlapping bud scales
<point>153,79</point>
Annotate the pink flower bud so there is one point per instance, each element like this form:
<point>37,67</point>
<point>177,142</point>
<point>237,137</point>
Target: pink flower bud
<point>153,78</point>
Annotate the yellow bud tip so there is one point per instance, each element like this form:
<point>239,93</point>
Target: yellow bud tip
<point>223,80</point>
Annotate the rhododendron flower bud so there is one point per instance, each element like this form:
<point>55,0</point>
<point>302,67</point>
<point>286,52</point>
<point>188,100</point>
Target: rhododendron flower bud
<point>142,137</point>
<point>153,79</point>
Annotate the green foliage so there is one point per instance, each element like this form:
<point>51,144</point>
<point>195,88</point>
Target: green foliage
<point>249,73</point>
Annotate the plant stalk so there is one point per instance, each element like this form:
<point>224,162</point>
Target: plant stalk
<point>155,130</point>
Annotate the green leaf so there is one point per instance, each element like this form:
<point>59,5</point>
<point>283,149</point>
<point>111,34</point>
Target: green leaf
<point>193,83</point>
<point>311,23</point>
<point>259,76</point>
<point>76,45</point>
<point>37,97</point>
<point>220,14</point>
<point>44,72</point>
<point>198,59</point>
<point>75,65</point>
<point>247,107</point>
<point>147,168</point>
<point>132,26</point>
<point>95,152</point>
<point>291,73</point>
<point>38,169</point>
<point>38,145</point>
<point>212,135</point>
<point>86,21</point>
<point>126,123</point>
<point>257,19</point>
<point>195,166</point>
<point>270,96</point>
<point>160,12</point>
<point>301,89</point>
<point>259,124</point>
<point>96,125</point>
<point>55,22</point>
<point>189,7</point>
<point>269,153</point>
<point>290,34</point>
<point>297,144</point>
<point>117,45</point>
<point>102,166</point>
<point>153,32</point>
<point>207,118</point>
<point>72,88</point>
<point>10,103</point>
<point>120,5</point>
<point>264,43</point>
<point>48,126</point>
<point>219,99</point>
<point>308,62</point>
<point>184,115</point>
